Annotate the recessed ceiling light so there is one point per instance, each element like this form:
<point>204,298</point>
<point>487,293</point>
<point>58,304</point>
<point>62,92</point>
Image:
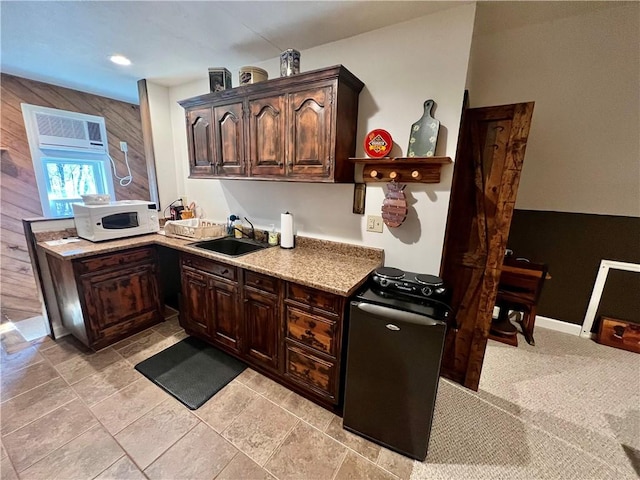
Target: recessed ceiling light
<point>120,60</point>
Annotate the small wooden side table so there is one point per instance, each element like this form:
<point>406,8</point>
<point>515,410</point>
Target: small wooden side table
<point>519,290</point>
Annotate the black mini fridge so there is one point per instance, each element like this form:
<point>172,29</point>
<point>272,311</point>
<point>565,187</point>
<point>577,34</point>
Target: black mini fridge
<point>393,362</point>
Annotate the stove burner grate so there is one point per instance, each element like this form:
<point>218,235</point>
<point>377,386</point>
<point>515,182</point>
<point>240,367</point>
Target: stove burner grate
<point>427,279</point>
<point>389,272</point>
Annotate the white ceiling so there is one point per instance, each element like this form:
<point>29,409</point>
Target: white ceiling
<point>69,43</point>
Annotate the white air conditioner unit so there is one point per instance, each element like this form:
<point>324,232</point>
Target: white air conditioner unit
<point>62,130</point>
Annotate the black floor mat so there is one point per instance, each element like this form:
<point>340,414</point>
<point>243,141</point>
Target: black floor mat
<point>191,370</point>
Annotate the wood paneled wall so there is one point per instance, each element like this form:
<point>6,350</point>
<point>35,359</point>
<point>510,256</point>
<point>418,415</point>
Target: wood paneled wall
<point>19,193</point>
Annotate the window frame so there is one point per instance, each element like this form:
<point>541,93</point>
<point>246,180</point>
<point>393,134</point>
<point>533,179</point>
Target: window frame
<point>40,156</point>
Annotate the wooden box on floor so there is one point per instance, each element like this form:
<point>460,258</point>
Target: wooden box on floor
<point>619,334</point>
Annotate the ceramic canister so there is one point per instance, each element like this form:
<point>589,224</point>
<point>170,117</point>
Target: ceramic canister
<point>289,62</point>
<point>219,79</point>
<point>250,75</point>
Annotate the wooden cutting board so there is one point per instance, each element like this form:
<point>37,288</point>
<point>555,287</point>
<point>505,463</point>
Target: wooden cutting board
<point>424,134</point>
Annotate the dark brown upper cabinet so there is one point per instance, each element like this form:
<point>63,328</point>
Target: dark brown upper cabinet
<point>228,140</point>
<point>298,128</point>
<point>311,132</point>
<point>267,136</point>
<point>199,132</point>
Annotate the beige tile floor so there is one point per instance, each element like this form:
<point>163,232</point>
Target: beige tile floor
<point>71,414</point>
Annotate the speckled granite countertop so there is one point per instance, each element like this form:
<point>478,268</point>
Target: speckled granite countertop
<point>334,267</point>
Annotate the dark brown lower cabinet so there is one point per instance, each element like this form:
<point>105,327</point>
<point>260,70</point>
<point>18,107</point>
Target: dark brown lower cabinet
<point>210,301</point>
<point>261,321</point>
<point>309,370</point>
<point>313,328</point>
<point>194,311</point>
<point>313,331</point>
<point>289,332</point>
<point>225,304</point>
<point>105,298</point>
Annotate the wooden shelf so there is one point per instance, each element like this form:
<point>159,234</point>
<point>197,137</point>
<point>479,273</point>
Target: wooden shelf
<point>402,169</point>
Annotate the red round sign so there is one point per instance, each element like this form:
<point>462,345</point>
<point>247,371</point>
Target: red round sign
<point>378,143</point>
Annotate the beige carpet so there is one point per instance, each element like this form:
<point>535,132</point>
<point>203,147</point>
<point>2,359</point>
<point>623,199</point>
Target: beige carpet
<point>567,408</point>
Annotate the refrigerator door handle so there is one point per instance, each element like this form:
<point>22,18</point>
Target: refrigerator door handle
<point>397,315</point>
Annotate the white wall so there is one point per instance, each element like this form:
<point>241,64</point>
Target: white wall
<point>162,136</point>
<point>583,72</point>
<point>402,66</point>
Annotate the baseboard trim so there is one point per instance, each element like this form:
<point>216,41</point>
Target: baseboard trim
<point>59,331</point>
<point>557,325</point>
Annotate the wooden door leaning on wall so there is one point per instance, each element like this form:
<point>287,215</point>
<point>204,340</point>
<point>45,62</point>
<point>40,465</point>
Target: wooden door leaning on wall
<point>485,182</point>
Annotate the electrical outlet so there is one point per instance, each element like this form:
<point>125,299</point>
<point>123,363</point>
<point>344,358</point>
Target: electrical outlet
<point>374,223</point>
<point>123,146</point>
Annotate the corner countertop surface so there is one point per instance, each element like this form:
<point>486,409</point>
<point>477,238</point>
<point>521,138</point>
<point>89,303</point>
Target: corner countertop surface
<point>339,268</point>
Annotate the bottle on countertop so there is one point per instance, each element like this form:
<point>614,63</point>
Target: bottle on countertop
<point>231,224</point>
<point>273,235</point>
<point>237,228</point>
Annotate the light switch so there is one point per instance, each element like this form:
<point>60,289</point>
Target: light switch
<point>374,223</point>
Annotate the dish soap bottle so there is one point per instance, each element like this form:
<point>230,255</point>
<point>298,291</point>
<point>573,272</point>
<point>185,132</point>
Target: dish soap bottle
<point>273,235</point>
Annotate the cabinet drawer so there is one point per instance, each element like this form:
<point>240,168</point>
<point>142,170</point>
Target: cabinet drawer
<point>210,266</point>
<point>261,282</point>
<point>303,367</point>
<point>312,330</point>
<point>114,260</point>
<point>314,298</point>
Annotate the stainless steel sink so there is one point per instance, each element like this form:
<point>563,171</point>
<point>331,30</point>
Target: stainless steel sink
<point>234,247</point>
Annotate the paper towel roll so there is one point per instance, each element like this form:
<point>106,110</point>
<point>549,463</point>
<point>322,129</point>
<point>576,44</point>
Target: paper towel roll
<point>286,230</point>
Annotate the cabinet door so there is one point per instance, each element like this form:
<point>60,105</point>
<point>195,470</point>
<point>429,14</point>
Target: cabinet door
<point>224,308</point>
<point>194,314</point>
<point>261,317</point>
<point>120,300</point>
<point>267,136</point>
<point>310,134</point>
<point>200,141</point>
<point>229,158</point>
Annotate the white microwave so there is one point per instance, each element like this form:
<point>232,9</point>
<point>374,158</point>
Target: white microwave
<point>120,219</point>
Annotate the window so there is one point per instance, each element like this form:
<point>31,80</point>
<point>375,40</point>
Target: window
<point>70,157</point>
<point>67,179</point>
